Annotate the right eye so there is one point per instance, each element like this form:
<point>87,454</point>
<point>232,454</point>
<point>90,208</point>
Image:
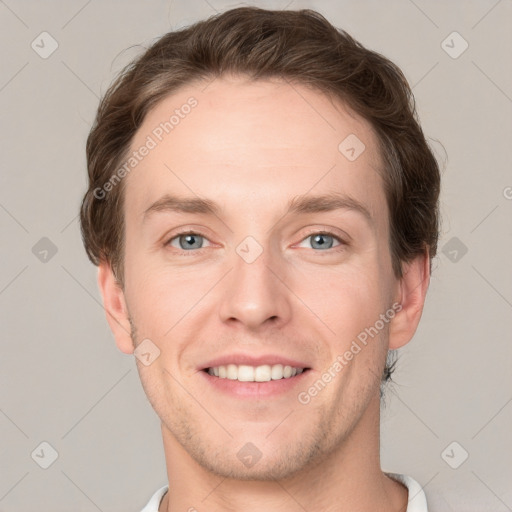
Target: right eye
<point>186,241</point>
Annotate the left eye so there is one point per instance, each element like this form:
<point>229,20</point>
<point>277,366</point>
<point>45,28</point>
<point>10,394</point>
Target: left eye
<point>322,240</point>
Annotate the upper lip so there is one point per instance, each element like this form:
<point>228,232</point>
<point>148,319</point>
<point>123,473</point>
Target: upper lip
<point>252,360</point>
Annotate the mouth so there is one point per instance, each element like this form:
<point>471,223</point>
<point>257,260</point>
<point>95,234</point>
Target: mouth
<point>257,374</point>
<point>251,376</point>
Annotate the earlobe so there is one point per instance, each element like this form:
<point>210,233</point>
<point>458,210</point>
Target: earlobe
<point>413,288</point>
<point>115,308</point>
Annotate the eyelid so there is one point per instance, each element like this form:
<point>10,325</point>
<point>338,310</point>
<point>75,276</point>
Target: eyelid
<point>325,230</point>
<point>329,232</point>
<point>312,231</point>
<point>186,231</point>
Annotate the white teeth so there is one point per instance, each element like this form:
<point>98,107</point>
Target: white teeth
<point>246,373</point>
<point>262,373</point>
<point>277,372</point>
<point>232,371</point>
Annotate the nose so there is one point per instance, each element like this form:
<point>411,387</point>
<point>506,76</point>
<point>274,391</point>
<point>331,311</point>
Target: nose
<point>254,293</point>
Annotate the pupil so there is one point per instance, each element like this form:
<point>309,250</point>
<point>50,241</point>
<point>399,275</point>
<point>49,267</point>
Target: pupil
<point>319,239</point>
<point>190,241</point>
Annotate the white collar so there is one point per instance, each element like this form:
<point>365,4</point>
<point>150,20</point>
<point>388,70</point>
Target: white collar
<point>417,499</point>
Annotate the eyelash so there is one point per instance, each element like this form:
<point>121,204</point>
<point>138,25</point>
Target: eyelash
<point>342,242</point>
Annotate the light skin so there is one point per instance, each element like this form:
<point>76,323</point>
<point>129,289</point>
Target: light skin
<point>252,147</point>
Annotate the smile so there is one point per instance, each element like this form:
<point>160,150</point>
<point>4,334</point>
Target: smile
<point>262,373</point>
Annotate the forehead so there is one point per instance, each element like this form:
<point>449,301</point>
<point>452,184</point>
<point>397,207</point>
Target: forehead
<point>254,145</point>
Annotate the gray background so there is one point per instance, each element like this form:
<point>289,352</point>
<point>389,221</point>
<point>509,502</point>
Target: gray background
<point>62,379</point>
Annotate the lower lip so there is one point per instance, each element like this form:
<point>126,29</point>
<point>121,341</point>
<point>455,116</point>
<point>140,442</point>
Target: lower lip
<point>254,389</point>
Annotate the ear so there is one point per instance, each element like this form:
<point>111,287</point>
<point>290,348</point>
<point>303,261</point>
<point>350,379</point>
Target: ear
<point>412,290</point>
<point>115,308</point>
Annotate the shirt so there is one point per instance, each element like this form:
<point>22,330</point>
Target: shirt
<point>417,499</point>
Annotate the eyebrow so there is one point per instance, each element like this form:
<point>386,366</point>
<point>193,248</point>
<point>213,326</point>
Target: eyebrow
<point>298,205</point>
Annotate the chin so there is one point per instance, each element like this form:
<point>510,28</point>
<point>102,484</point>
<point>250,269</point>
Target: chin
<point>258,461</point>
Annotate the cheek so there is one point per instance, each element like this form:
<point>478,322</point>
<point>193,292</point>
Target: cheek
<point>150,294</point>
<point>163,300</point>
<point>347,301</point>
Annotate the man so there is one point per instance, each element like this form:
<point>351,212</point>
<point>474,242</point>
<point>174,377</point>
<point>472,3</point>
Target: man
<point>263,209</point>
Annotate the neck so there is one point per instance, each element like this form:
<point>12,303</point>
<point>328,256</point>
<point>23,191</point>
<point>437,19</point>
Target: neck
<point>347,479</point>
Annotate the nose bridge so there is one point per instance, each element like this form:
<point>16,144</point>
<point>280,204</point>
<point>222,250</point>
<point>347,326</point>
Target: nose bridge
<point>254,293</point>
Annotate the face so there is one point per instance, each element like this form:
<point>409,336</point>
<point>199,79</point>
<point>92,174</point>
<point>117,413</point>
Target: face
<point>252,273</point>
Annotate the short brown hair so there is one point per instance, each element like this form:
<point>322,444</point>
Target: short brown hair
<point>298,46</point>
